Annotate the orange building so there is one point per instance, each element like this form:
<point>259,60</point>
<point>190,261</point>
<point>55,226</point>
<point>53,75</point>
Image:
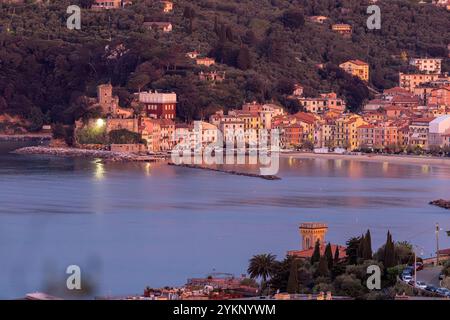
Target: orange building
<point>440,96</point>
<point>343,29</point>
<point>310,233</point>
<point>357,68</point>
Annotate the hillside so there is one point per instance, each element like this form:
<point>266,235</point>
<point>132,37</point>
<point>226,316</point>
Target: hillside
<point>45,68</point>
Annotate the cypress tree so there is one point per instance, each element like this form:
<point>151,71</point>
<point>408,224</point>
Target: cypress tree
<point>322,269</point>
<point>389,252</point>
<point>361,247</point>
<point>329,256</point>
<point>336,255</point>
<point>316,253</point>
<point>367,254</point>
<point>292,286</point>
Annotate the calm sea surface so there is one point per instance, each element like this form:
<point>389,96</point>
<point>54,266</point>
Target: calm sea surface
<point>132,225</point>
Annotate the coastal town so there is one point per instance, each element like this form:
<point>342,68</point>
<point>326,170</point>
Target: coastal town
<point>413,117</point>
<point>319,270</point>
<point>93,119</point>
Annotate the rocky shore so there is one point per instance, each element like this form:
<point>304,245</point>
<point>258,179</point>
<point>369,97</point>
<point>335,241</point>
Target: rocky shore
<point>441,203</point>
<point>83,153</point>
<point>237,173</point>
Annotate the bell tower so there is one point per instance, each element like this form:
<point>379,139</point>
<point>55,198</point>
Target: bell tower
<point>310,232</point>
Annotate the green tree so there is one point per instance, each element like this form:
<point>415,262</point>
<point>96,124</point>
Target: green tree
<point>389,252</point>
<point>367,254</point>
<point>352,249</point>
<point>316,253</point>
<point>292,286</point>
<point>329,256</point>
<point>261,266</point>
<point>322,268</point>
<point>336,255</point>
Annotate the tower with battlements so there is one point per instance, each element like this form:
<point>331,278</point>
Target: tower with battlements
<point>310,232</point>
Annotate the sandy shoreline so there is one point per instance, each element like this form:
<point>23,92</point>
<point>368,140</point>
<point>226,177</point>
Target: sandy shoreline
<point>372,158</point>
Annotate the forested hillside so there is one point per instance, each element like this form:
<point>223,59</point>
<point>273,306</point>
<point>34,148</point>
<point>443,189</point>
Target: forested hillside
<point>264,46</point>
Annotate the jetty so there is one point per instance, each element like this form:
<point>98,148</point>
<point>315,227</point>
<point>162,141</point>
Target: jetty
<point>441,203</point>
<point>87,153</point>
<point>237,173</point>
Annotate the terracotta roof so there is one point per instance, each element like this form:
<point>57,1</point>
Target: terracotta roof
<point>445,251</point>
<point>309,252</point>
<point>397,90</point>
<point>358,62</point>
<point>305,117</point>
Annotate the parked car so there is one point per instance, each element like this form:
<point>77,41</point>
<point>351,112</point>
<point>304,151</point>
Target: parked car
<point>407,277</point>
<point>431,288</point>
<point>441,276</point>
<point>421,285</point>
<point>443,291</point>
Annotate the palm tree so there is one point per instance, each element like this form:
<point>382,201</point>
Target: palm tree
<point>261,265</point>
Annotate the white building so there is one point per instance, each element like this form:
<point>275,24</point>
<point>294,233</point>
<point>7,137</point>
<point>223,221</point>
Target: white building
<point>439,128</point>
<point>427,65</point>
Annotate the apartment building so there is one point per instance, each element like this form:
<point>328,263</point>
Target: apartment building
<point>356,68</point>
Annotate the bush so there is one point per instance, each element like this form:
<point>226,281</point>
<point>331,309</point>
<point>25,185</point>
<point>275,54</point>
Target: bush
<point>91,135</point>
<point>124,136</point>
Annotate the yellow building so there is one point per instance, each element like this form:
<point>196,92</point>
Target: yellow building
<point>346,132</point>
<point>356,68</point>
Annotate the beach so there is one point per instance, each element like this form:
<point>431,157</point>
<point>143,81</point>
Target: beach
<point>400,159</point>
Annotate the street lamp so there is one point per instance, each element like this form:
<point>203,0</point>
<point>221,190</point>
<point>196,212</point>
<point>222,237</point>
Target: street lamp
<point>100,123</point>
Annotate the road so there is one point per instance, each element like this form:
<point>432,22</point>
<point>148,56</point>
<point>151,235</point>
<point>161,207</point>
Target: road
<point>430,275</point>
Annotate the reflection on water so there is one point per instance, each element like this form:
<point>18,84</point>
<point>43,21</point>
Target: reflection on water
<point>151,224</point>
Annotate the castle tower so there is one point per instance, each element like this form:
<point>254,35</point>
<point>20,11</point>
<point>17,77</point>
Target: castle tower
<point>310,232</point>
<point>105,98</point>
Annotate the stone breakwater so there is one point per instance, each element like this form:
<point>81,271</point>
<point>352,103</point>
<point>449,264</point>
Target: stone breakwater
<point>441,203</point>
<point>83,153</point>
<point>237,173</point>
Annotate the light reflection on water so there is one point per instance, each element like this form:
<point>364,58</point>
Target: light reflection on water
<point>151,224</point>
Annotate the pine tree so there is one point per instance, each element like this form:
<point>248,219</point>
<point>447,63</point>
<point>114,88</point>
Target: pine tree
<point>292,286</point>
<point>367,254</point>
<point>329,256</point>
<point>352,249</point>
<point>322,269</point>
<point>316,253</point>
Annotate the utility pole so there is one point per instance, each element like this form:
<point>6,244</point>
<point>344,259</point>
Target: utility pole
<point>437,244</point>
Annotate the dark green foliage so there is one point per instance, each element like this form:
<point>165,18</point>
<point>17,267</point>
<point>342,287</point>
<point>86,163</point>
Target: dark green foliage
<point>293,19</point>
<point>262,266</point>
<point>316,253</point>
<point>292,286</point>
<point>367,253</point>
<point>46,66</point>
<point>329,256</point>
<point>124,136</point>
<point>322,268</point>
<point>336,255</point>
<point>389,252</point>
<point>352,249</point>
